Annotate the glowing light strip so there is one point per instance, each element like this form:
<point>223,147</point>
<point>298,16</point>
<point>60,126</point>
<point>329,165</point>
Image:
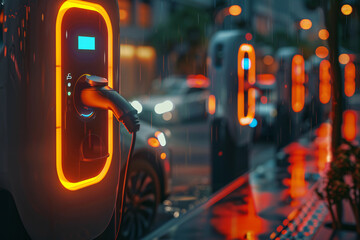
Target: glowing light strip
<point>63,9</point>
<point>246,120</point>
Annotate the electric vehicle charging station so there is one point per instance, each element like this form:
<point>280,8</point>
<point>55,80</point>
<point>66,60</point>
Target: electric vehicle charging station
<point>60,158</point>
<point>292,96</point>
<point>231,70</point>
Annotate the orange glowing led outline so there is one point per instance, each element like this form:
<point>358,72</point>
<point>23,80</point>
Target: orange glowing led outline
<point>350,73</point>
<point>63,9</point>
<point>298,80</point>
<point>324,85</point>
<point>246,120</point>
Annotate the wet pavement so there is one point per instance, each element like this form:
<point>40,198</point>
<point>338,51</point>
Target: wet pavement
<point>266,203</point>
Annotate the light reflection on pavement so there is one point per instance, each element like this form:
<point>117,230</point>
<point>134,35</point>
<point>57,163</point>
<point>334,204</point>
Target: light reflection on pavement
<point>268,195</point>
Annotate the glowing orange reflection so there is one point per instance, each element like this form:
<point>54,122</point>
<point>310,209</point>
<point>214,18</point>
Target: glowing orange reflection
<point>297,183</point>
<point>251,78</point>
<point>323,145</point>
<point>349,127</point>
<point>349,86</point>
<point>324,85</point>
<point>236,221</point>
<point>298,80</point>
<point>212,104</point>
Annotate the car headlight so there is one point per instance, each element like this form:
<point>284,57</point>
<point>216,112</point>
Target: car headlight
<point>161,137</point>
<point>137,105</point>
<point>164,107</point>
<point>158,140</point>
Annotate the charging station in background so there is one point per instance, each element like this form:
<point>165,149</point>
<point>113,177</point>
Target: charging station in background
<point>293,97</point>
<point>231,105</point>
<point>60,166</point>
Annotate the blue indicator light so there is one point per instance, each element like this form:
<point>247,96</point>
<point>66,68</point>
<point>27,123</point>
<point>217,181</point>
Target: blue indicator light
<point>246,63</point>
<point>87,115</point>
<point>86,43</point>
<point>253,123</point>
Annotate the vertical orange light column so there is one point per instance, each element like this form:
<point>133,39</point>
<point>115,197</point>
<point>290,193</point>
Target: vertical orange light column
<point>298,80</point>
<point>349,127</point>
<point>251,78</point>
<point>350,73</point>
<point>212,104</point>
<point>324,85</point>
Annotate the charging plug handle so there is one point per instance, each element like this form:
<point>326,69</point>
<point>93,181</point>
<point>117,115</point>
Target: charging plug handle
<point>99,95</point>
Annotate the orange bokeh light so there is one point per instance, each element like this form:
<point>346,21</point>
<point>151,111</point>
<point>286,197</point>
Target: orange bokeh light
<point>346,9</point>
<point>153,142</point>
<point>268,60</point>
<point>123,14</point>
<point>212,104</point>
<point>349,127</point>
<point>266,79</point>
<point>344,58</point>
<point>298,80</point>
<point>235,10</point>
<point>163,156</point>
<point>325,85</point>
<point>350,73</point>
<point>322,52</point>
<point>305,24</point>
<point>323,34</point>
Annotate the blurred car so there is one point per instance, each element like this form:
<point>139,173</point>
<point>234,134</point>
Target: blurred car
<point>148,180</point>
<point>176,99</point>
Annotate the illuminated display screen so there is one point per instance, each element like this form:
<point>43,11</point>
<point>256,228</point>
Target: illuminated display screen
<point>86,43</point>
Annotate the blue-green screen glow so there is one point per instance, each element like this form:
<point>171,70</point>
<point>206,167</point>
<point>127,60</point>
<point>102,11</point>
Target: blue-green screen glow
<point>86,43</point>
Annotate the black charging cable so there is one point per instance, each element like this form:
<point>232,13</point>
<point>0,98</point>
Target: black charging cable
<point>133,139</point>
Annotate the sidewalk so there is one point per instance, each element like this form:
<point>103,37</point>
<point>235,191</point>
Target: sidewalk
<point>275,201</point>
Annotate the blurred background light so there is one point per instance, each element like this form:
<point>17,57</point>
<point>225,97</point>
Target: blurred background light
<point>305,24</point>
<point>346,9</point>
<point>323,34</point>
<point>322,52</point>
<point>235,10</point>
<point>344,58</point>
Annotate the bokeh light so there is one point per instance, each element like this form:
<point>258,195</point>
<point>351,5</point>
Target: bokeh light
<point>305,24</point>
<point>248,36</point>
<point>346,9</point>
<point>268,60</point>
<point>235,10</point>
<point>323,34</point>
<point>322,52</point>
<point>344,58</point>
